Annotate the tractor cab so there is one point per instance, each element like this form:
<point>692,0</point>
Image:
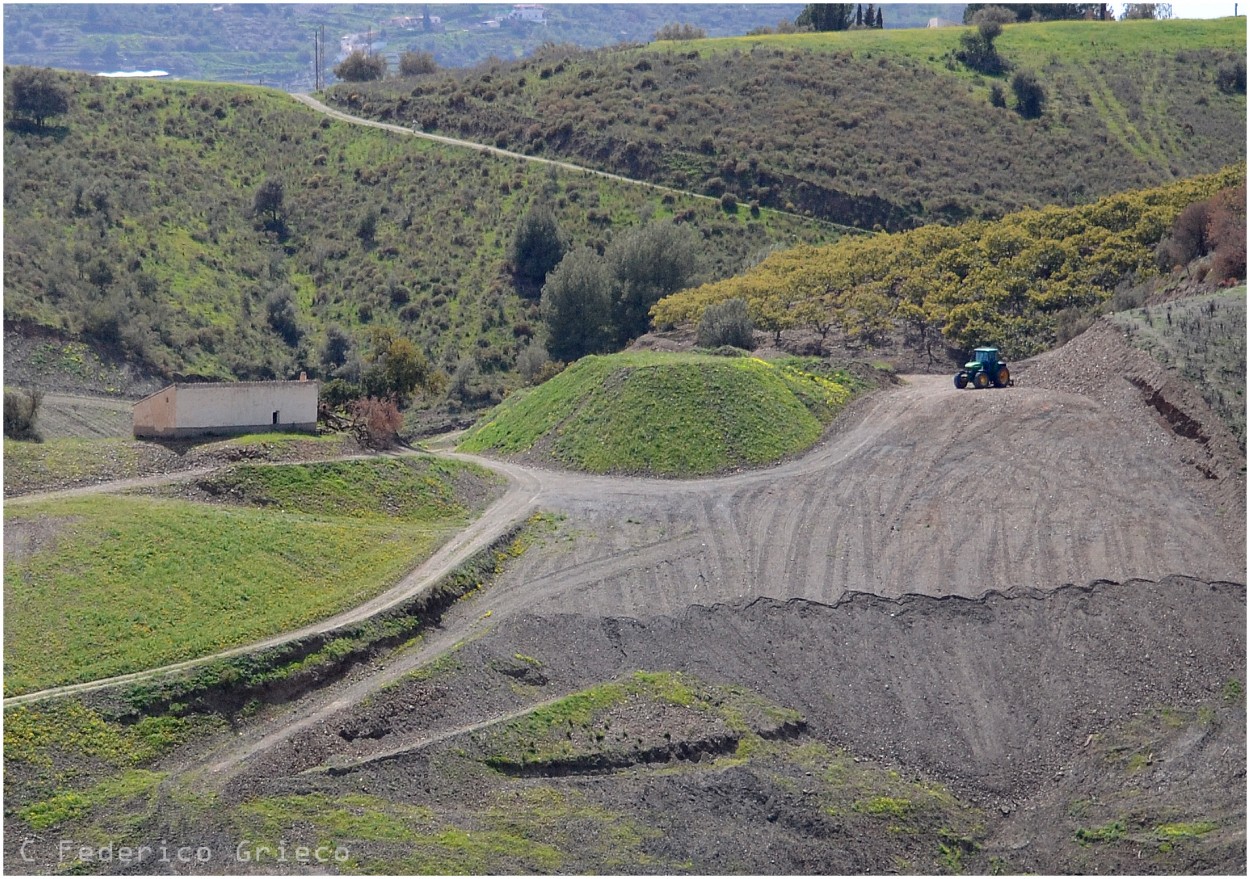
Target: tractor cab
<point>983,370</point>
<point>983,358</point>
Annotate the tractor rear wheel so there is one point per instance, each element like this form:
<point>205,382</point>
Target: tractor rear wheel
<point>1002,377</point>
<point>982,380</point>
<point>961,381</point>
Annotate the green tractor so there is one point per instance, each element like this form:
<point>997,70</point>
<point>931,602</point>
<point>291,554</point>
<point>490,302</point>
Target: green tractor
<point>983,370</point>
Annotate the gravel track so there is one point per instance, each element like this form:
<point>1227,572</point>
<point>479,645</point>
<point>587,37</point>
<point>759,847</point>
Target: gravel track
<point>921,490</point>
<point>965,583</point>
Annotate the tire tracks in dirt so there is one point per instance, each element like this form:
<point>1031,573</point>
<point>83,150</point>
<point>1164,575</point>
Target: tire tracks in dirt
<point>897,502</point>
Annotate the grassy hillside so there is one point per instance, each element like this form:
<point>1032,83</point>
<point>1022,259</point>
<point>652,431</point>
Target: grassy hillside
<point>130,223</point>
<point>666,414</point>
<point>103,586</point>
<point>865,127</point>
<point>1007,282</point>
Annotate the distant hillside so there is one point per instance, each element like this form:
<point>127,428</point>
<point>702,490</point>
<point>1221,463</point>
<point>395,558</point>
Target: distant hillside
<point>869,128</point>
<point>131,222</point>
<point>669,414</point>
<point>272,43</point>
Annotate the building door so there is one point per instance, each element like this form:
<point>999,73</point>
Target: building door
<point>275,416</point>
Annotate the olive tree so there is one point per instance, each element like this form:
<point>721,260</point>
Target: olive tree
<point>37,95</point>
<point>576,306</point>
<point>647,263</point>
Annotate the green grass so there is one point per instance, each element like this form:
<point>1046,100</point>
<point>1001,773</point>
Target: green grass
<point>1184,829</point>
<point>76,805</point>
<point>664,413</point>
<point>582,725</point>
<point>142,582</point>
<point>1109,832</point>
<point>1027,45</point>
<point>517,831</point>
<point>32,467</point>
<point>34,733</point>
<point>887,807</point>
<point>408,490</point>
<point>68,459</point>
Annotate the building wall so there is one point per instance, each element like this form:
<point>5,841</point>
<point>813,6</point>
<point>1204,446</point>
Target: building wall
<point>154,414</point>
<point>237,407</point>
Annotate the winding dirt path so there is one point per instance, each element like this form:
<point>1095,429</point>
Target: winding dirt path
<point>920,489</point>
<point>517,503</point>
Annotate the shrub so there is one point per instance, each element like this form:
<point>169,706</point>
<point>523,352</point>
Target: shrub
<point>1230,78</point>
<point>997,96</point>
<point>1226,234</point>
<point>1030,96</point>
<point>726,323</point>
<point>282,316</point>
<point>335,348</point>
<point>531,362</point>
<point>367,228</point>
<point>977,51</point>
<point>361,67</point>
<point>21,414</point>
<point>377,421</point>
<point>416,64</point>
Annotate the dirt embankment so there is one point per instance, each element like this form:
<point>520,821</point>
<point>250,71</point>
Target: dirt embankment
<point>1130,384</point>
<point>1045,714</point>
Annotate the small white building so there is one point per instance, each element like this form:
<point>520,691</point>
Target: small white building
<point>531,12</point>
<point>210,408</point>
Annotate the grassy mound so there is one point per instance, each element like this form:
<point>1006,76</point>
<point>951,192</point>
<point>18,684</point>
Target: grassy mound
<point>671,414</point>
<point>105,585</point>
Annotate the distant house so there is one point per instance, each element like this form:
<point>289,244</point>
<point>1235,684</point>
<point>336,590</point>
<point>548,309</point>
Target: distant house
<point>531,12</point>
<point>944,22</point>
<point>200,409</point>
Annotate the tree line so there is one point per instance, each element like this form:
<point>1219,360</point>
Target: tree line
<point>1009,282</point>
<point>591,301</point>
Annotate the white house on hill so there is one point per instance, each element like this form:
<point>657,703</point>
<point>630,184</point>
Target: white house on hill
<point>531,12</point>
<point>183,410</point>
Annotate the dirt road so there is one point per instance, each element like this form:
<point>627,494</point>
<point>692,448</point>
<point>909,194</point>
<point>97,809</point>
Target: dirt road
<point>412,131</point>
<point>923,489</point>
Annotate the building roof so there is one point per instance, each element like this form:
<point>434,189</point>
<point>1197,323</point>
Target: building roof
<point>189,385</point>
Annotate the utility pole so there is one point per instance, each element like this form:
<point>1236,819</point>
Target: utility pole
<point>319,48</point>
